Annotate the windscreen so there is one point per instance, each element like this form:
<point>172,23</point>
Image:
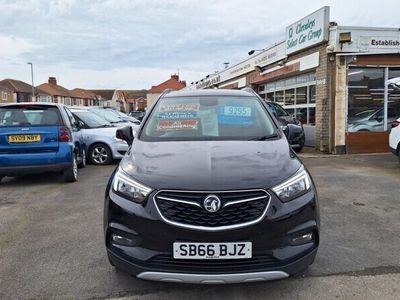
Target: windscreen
<point>31,115</point>
<point>208,118</point>
<point>91,119</point>
<point>107,115</point>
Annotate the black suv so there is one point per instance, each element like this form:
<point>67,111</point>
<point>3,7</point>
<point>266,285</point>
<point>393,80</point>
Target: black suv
<point>210,192</point>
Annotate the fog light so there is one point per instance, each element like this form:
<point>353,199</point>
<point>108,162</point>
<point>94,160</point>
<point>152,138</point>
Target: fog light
<point>302,239</point>
<point>121,240</point>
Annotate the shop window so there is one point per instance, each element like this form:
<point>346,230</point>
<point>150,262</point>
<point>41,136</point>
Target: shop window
<point>312,94</point>
<point>289,97</point>
<point>365,99</point>
<point>4,96</point>
<point>301,95</point>
<point>279,97</point>
<point>270,97</point>
<point>393,97</point>
<point>303,78</point>
<point>261,88</point>
<point>270,86</point>
<point>280,84</point>
<point>290,81</point>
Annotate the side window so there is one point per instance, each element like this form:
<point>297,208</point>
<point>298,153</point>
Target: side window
<point>70,116</point>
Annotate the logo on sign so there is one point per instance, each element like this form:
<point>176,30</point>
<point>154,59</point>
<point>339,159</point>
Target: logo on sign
<point>212,203</point>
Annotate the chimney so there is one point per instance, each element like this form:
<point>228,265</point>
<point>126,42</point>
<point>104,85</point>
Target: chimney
<point>175,76</point>
<point>52,81</point>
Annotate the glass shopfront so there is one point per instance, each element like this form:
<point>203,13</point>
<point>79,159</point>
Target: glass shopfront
<point>295,94</point>
<point>367,96</point>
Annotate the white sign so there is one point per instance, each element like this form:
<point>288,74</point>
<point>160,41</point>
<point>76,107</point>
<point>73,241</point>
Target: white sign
<point>379,42</point>
<point>265,57</point>
<point>310,30</point>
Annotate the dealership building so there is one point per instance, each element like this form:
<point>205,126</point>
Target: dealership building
<point>340,81</point>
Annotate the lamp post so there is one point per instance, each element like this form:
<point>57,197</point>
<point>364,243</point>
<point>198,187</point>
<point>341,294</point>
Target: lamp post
<point>251,52</point>
<point>33,87</point>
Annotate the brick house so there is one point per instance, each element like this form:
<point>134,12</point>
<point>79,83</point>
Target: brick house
<point>21,91</point>
<point>58,94</point>
<point>136,99</point>
<point>173,83</point>
<point>84,97</point>
<point>6,95</point>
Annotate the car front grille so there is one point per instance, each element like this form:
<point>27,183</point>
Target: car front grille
<point>167,262</point>
<point>238,208</point>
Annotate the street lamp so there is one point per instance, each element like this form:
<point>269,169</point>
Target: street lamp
<point>33,87</point>
<point>251,52</point>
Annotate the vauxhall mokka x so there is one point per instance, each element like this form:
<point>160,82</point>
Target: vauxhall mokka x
<point>210,192</point>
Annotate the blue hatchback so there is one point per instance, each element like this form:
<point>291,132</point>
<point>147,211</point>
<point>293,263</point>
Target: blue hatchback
<point>40,137</point>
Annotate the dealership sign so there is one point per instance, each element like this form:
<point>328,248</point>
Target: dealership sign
<point>309,31</point>
<point>379,42</point>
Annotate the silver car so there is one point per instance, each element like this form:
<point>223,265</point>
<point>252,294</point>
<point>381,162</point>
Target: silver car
<point>372,119</point>
<point>102,146</point>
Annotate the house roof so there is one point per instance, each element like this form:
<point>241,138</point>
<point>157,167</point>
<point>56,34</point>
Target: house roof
<point>105,94</point>
<point>133,94</point>
<point>173,83</point>
<point>4,88</point>
<point>55,90</point>
<point>17,85</point>
<point>82,93</point>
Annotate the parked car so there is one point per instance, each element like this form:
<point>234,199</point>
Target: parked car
<point>109,116</point>
<point>295,131</point>
<point>124,116</point>
<point>210,192</point>
<point>394,138</point>
<point>100,139</point>
<point>138,114</point>
<point>371,119</point>
<point>40,137</point>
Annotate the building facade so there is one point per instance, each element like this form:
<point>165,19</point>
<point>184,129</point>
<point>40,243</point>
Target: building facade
<point>21,91</point>
<point>6,95</point>
<point>335,79</point>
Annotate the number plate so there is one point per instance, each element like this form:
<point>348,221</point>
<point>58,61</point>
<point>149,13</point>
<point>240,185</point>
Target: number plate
<point>236,250</point>
<point>24,138</point>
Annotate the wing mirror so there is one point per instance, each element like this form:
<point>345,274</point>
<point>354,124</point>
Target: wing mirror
<point>285,130</point>
<point>125,134</point>
<point>79,124</point>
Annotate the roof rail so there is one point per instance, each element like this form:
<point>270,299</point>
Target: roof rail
<point>251,91</point>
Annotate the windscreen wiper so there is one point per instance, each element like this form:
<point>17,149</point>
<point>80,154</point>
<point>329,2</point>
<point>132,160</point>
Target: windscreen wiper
<point>265,137</point>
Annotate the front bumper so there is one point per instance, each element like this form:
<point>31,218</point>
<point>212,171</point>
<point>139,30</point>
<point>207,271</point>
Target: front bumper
<point>275,256</point>
<point>394,151</point>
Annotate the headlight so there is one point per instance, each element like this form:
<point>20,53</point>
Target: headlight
<point>129,188</point>
<point>296,185</point>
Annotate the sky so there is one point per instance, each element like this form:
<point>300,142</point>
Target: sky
<point>130,44</point>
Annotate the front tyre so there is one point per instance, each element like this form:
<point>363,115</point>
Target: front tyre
<point>100,154</point>
<point>71,174</point>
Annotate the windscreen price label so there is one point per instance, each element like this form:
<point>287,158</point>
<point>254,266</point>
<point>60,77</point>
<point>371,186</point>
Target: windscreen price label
<point>237,111</point>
